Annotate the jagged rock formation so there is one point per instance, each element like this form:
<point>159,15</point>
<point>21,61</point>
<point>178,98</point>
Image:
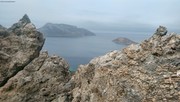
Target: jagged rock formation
<point>148,72</point>
<point>26,76</point>
<point>64,30</point>
<point>40,81</point>
<point>3,31</point>
<point>19,45</point>
<point>2,28</point>
<point>123,41</point>
<point>161,31</point>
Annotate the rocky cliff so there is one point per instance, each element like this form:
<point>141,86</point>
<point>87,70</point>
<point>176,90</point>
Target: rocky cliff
<point>146,72</point>
<point>25,74</point>
<point>19,45</point>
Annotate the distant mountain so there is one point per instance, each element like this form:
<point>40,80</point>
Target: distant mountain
<point>64,30</point>
<point>123,41</point>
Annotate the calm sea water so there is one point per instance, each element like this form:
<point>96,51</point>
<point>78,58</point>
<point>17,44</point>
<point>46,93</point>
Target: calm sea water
<point>81,50</point>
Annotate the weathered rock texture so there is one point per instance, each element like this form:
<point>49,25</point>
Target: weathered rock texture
<point>146,72</point>
<point>19,45</point>
<point>149,72</point>
<point>40,81</point>
<point>26,76</point>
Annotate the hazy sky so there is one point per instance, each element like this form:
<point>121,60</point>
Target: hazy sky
<point>96,15</point>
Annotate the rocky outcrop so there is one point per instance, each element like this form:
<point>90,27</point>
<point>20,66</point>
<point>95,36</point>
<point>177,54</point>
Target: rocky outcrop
<point>161,31</point>
<point>26,76</point>
<point>3,31</point>
<point>64,30</point>
<point>40,81</point>
<point>148,72</point>
<point>123,41</point>
<point>19,45</point>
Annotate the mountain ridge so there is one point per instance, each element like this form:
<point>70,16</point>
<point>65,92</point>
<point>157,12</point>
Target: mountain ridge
<point>64,30</point>
<point>144,72</point>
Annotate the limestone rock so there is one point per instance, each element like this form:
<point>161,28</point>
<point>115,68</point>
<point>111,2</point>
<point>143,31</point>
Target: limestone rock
<point>3,31</point>
<point>19,45</point>
<point>161,31</point>
<point>40,81</point>
<point>148,72</point>
<point>26,76</point>
<point>25,19</point>
<point>2,28</point>
<point>24,25</point>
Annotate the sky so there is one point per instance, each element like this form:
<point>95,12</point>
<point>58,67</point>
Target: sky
<point>96,15</point>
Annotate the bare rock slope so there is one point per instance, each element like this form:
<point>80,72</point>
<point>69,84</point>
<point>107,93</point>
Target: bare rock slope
<point>40,81</point>
<point>25,74</point>
<point>148,72</point>
<point>19,45</point>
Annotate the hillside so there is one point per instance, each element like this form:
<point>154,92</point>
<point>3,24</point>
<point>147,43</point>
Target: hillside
<point>123,41</point>
<point>64,30</point>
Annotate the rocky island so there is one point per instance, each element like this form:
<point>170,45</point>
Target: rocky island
<point>146,72</point>
<point>123,41</point>
<point>64,30</point>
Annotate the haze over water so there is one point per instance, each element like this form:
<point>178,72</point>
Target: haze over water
<point>81,50</point>
<point>110,16</point>
<point>96,15</point>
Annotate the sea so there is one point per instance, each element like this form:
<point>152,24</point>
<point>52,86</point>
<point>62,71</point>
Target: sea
<point>81,50</point>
